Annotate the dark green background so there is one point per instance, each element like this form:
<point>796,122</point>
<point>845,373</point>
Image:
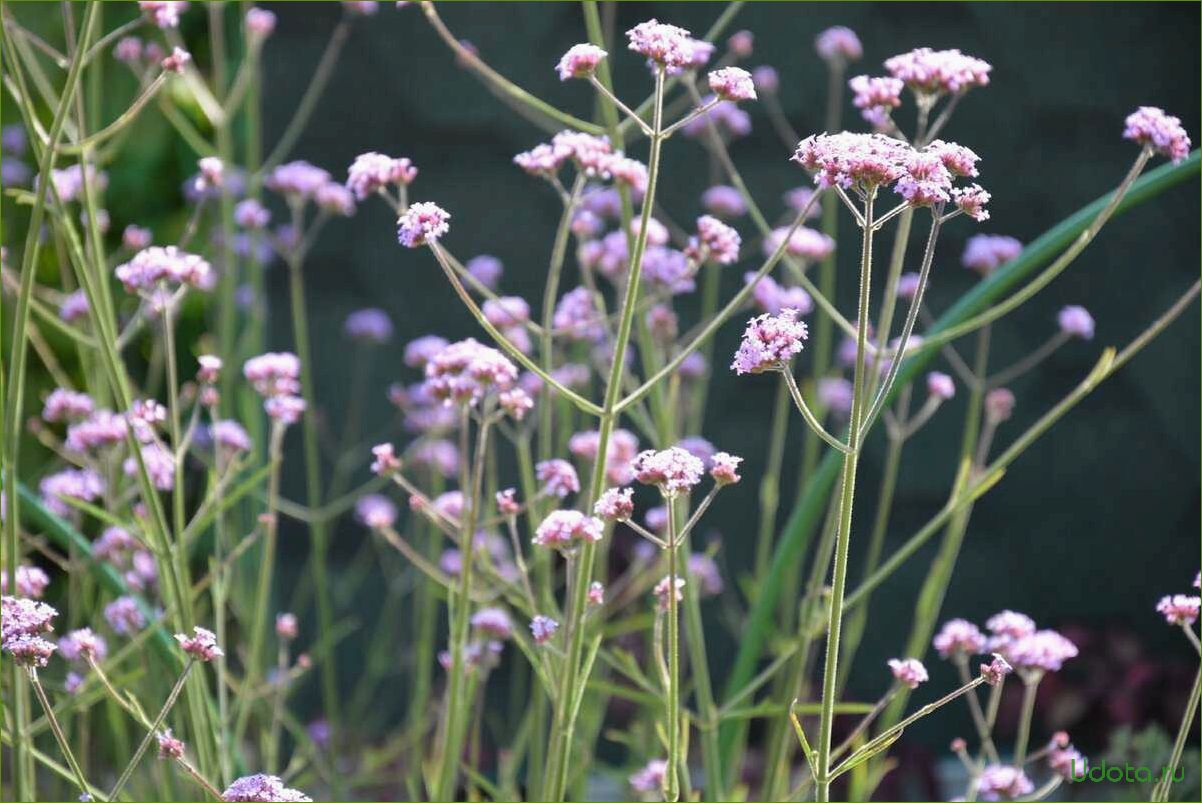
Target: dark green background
<point>1090,526</point>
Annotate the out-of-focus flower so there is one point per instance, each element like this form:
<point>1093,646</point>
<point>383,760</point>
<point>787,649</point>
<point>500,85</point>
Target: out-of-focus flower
<point>723,201</point>
<point>732,83</point>
<point>959,636</point>
<point>375,511</point>
<point>838,44</point>
<point>124,616</point>
<point>999,405</point>
<point>370,325</point>
<point>201,645</point>
<point>984,253</point>
<point>940,385</point>
<point>580,61</point>
<point>258,788</point>
<point>493,622</point>
<point>661,591</point>
<point>724,468</point>
<point>67,405</point>
<point>156,266</point>
<point>169,747</point>
<point>563,528</point>
<point>1003,782</point>
<point>543,628</point>
<point>615,504</point>
<point>908,671</point>
<point>1076,321</point>
<point>1179,609</point>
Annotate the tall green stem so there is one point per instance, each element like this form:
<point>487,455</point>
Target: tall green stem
<point>319,527</point>
<point>846,498</point>
<point>564,726</point>
<point>672,721</point>
<point>1161,792</point>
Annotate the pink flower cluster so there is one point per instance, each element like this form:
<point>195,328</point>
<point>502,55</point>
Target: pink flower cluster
<point>803,243</point>
<point>930,71</point>
<point>672,470</point>
<point>1075,320</point>
<point>157,266</point>
<point>769,342</point>
<point>565,528</point>
<point>909,671</point>
<point>984,253</point>
<point>23,622</point>
<point>558,477</point>
<point>848,160</point>
<point>580,61</point>
<point>372,172</point>
<point>620,451</point>
<point>668,45</point>
<point>615,504</point>
<point>838,44</point>
<point>465,371</point>
<point>1151,127</point>
<point>421,224</point>
<point>257,788</point>
<point>772,297</point>
<point>875,97</point>
<point>714,241</point>
<point>732,83</point>
<point>276,377</point>
<point>201,645</point>
<point>1003,782</point>
<point>1179,609</point>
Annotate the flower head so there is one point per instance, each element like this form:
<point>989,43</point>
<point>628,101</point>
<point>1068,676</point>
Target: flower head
<point>940,385</point>
<point>615,504</point>
<point>507,504</point>
<point>580,61</point>
<point>732,83</point>
<point>849,160</point>
<point>1067,762</point>
<point>83,645</point>
<point>714,241</point>
<point>372,172</point>
<point>984,253</point>
<point>723,201</point>
<point>959,636</point>
<point>201,645</point>
<point>1003,782</point>
<point>650,779</point>
<point>422,223</point>
<point>163,13</point>
<point>766,78</point>
<point>971,201</point>
<point>909,671</point>
<point>928,71</point>
<point>258,788</point>
<point>467,370</point>
<point>1151,127</point>
<point>875,97</point>
<point>558,477</point>
<point>493,622</point>
<point>21,616</point>
<point>661,591</point>
<point>1043,650</point>
<point>375,511</point>
<point>996,670</point>
<point>543,628</point>
<point>169,746</point>
<point>724,468</point>
<point>299,180</point>
<point>666,45</point>
<point>1179,609</point>
<point>838,44</point>
<point>769,342</point>
<point>286,626</point>
<point>124,616</point>
<point>31,651</point>
<point>999,405</point>
<point>563,528</point>
<point>156,267</point>
<point>673,470</point>
<point>1076,321</point>
<point>370,325</point>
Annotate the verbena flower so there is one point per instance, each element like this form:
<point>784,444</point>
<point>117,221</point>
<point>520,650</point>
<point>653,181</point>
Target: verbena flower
<point>370,325</point>
<point>564,528</point>
<point>849,160</point>
<point>580,61</point>
<point>169,747</point>
<point>558,477</point>
<point>596,593</point>
<point>769,342</point>
<point>201,645</point>
<point>66,405</point>
<point>506,311</point>
<point>772,297</point>
<point>732,83</point>
<point>835,394</point>
<point>543,628</point>
<point>507,504</point>
<point>875,97</point>
<point>168,266</point>
<point>1179,609</point>
<point>984,253</point>
<point>70,483</point>
<point>715,241</point>
<point>999,405</point>
<point>159,463</point>
<point>724,468</point>
<point>493,622</point>
<point>673,470</point>
<point>650,779</point>
<point>838,44</point>
<point>1151,127</point>
<point>375,511</point>
<point>971,201</point>
<point>577,317</point>
<point>257,788</point>
<point>1003,782</point>
<point>724,201</point>
<point>704,569</point>
<point>124,616</point>
<point>928,71</point>
<point>33,651</point>
<point>1067,762</point>
<point>959,636</point>
<point>100,430</point>
<point>74,306</point>
<point>725,116</point>
<point>298,180</point>
<point>661,591</point>
<point>175,61</point>
<point>1043,650</point>
<point>372,172</point>
<point>996,670</point>
<point>666,45</point>
<point>83,645</point>
<point>909,671</point>
<point>21,616</point>
<point>163,14</point>
<point>260,23</point>
<point>1076,321</point>
<point>422,223</point>
<point>286,626</point>
<point>615,504</point>
<point>940,385</point>
<point>467,370</point>
<point>767,79</point>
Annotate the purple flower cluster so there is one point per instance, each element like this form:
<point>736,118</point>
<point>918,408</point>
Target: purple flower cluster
<point>673,470</point>
<point>1151,127</point>
<point>928,71</point>
<point>156,267</point>
<point>372,172</point>
<point>258,788</point>
<point>769,342</point>
<point>421,224</point>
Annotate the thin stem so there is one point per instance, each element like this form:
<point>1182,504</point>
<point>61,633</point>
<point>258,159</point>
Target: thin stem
<point>1030,685</point>
<point>808,415</point>
<point>59,736</point>
<point>153,731</point>
<point>979,718</point>
<point>1012,372</point>
<point>672,776</point>
<point>843,539</point>
<point>1161,792</point>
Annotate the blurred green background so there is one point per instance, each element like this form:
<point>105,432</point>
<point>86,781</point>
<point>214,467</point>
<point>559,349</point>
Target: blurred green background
<point>1090,527</point>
